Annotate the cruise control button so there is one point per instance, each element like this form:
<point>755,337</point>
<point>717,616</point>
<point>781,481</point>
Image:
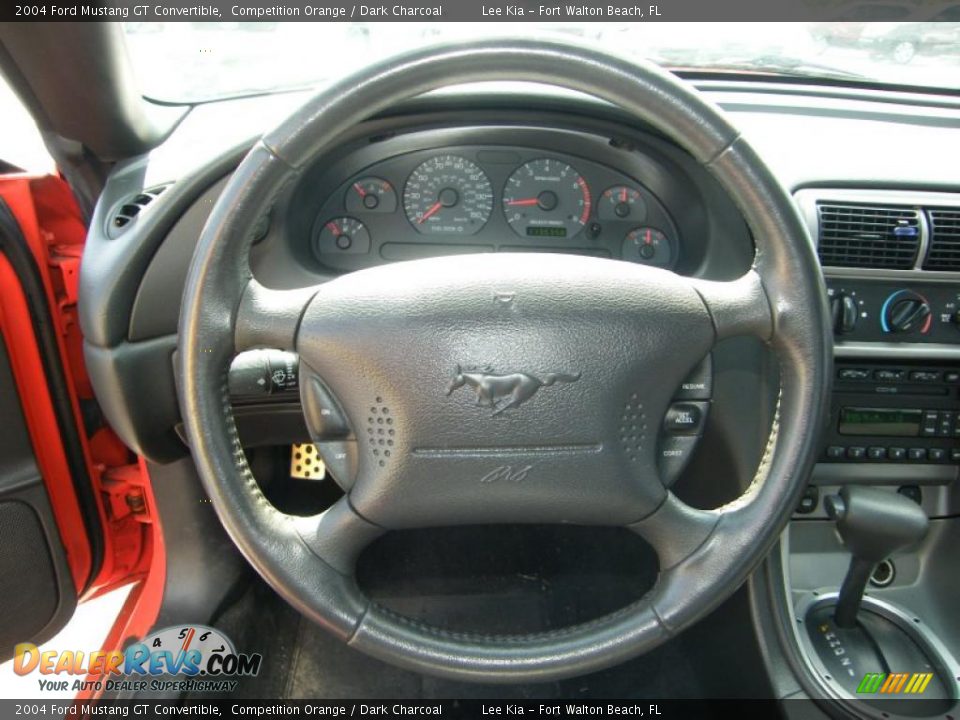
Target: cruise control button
<point>897,453</point>
<point>321,412</point>
<point>675,453</point>
<point>340,457</point>
<point>685,418</point>
<point>917,453</point>
<point>699,384</point>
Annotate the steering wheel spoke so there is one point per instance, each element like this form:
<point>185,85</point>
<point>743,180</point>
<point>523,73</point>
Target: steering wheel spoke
<point>337,535</point>
<point>737,307</point>
<point>269,318</point>
<point>676,530</point>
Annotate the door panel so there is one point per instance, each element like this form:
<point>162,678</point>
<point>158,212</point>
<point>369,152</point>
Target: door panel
<point>36,588</point>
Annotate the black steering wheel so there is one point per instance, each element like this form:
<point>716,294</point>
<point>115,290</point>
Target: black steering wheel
<point>389,344</point>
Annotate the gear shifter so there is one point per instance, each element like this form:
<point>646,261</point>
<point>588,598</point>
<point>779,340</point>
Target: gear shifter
<point>872,524</point>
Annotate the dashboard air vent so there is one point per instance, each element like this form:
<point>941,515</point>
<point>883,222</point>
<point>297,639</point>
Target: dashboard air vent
<point>131,208</point>
<point>944,252</point>
<point>873,236</point>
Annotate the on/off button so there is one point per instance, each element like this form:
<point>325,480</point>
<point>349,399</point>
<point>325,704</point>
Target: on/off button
<point>685,418</point>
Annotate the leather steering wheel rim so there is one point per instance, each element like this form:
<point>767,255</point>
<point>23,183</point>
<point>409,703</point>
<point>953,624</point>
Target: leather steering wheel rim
<point>704,555</point>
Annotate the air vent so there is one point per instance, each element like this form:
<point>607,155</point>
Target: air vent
<point>944,252</point>
<point>872,236</point>
<point>131,208</point>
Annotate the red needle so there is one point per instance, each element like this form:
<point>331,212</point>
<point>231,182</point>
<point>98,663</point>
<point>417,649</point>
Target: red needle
<point>623,195</point>
<point>528,201</point>
<point>432,211</point>
<point>360,189</point>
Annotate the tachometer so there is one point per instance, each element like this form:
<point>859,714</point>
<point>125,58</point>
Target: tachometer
<point>448,195</point>
<point>546,198</point>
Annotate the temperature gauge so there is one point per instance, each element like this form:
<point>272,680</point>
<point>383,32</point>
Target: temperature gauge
<point>371,194</point>
<point>648,246</point>
<point>342,235</point>
<point>622,203</point>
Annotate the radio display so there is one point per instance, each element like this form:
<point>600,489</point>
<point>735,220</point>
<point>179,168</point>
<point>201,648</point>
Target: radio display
<point>884,422</point>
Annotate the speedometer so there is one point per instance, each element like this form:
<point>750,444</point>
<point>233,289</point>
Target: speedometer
<point>448,195</point>
<point>546,198</point>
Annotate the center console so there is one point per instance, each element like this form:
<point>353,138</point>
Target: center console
<point>869,606</point>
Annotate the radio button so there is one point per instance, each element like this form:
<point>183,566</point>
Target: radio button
<point>836,452</point>
<point>889,375</point>
<point>924,376</point>
<point>917,453</point>
<point>955,455</point>
<point>897,453</point>
<point>951,376</point>
<point>853,374</point>
<point>877,453</point>
<point>929,426</point>
<point>856,453</point>
<point>937,454</point>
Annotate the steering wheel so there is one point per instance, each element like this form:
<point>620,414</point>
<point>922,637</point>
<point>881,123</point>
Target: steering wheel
<point>607,341</point>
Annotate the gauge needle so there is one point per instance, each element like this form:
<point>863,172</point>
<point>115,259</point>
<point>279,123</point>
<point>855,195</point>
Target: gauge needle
<point>527,201</point>
<point>429,213</point>
<point>360,189</point>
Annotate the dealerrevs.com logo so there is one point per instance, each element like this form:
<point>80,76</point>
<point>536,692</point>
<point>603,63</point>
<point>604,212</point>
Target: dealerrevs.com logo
<point>192,658</point>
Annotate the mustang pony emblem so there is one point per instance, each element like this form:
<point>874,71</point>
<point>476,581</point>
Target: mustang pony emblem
<point>502,392</point>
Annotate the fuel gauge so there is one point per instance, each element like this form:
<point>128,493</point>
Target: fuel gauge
<point>371,194</point>
<point>622,203</point>
<point>648,246</point>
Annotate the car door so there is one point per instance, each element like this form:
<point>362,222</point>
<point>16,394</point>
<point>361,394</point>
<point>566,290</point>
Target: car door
<point>74,511</point>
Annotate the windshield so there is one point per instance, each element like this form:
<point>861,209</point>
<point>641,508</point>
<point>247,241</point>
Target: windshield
<point>186,62</point>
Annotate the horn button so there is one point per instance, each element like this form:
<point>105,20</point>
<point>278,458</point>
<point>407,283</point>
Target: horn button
<point>499,388</point>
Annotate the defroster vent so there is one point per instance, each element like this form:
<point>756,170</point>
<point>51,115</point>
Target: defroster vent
<point>944,252</point>
<point>871,236</point>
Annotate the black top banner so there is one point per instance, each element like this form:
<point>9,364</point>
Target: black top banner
<point>449,10</point>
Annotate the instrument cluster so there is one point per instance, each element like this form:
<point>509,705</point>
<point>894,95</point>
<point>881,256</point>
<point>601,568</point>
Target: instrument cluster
<point>471,199</point>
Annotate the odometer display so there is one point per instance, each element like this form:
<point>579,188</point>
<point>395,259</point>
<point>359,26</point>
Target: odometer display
<point>546,198</point>
<point>448,195</point>
<point>547,232</point>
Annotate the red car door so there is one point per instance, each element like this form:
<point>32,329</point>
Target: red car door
<point>75,506</point>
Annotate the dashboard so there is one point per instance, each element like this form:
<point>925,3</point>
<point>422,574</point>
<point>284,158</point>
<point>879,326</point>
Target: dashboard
<point>453,184</point>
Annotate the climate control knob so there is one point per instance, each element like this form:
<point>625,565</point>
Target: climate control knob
<point>844,310</point>
<point>906,311</point>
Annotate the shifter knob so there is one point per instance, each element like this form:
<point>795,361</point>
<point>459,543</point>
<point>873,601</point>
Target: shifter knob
<point>872,524</point>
